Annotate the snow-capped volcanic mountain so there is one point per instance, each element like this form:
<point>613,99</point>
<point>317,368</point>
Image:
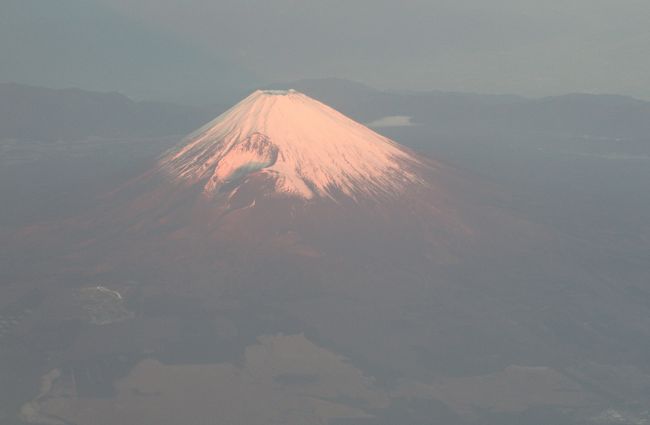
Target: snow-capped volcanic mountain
<point>282,216</point>
<point>304,147</point>
<point>284,171</point>
<point>282,198</point>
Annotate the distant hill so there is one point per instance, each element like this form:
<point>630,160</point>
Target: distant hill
<point>473,116</point>
<point>35,113</point>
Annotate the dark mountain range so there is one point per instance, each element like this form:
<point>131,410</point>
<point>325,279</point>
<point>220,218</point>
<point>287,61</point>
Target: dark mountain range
<point>488,116</point>
<point>34,113</point>
<point>43,114</point>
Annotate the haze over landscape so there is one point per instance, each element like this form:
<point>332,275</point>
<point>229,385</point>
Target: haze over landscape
<point>339,213</point>
<point>198,50</point>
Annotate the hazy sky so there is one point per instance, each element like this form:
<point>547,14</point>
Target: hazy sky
<point>530,47</point>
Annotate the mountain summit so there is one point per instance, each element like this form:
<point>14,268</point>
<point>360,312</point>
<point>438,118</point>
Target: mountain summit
<point>303,147</point>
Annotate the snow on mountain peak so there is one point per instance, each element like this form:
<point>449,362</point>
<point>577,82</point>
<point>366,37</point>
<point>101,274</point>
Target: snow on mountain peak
<point>307,148</point>
<point>278,92</point>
